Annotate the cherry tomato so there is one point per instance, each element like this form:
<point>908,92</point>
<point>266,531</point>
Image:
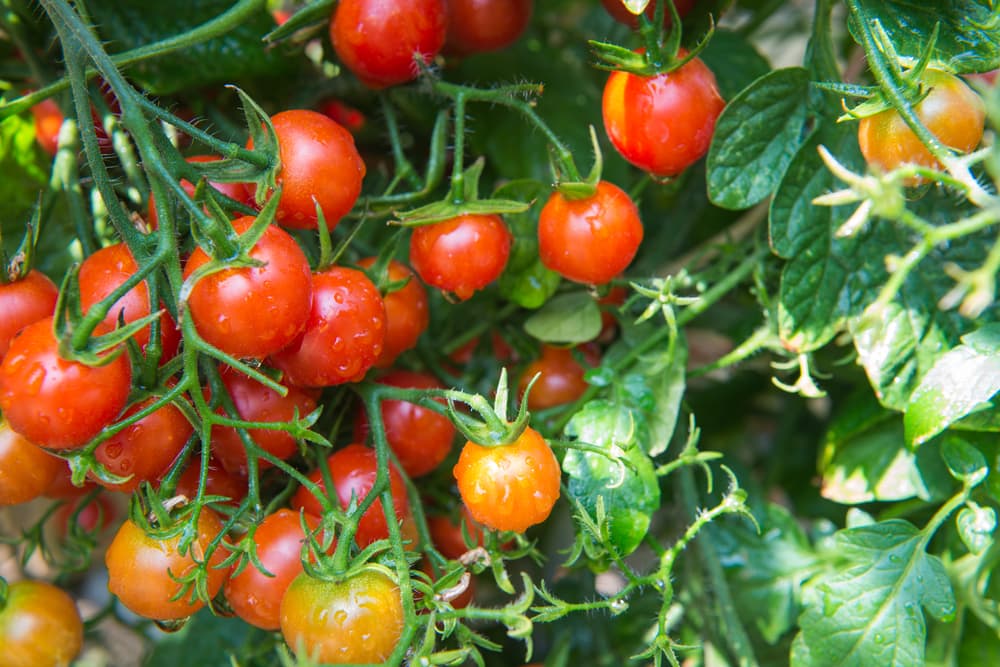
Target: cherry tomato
<point>258,403</point>
<point>344,333</point>
<point>448,534</point>
<point>253,311</point>
<point>142,569</point>
<point>664,123</point>
<point>92,518</point>
<point>509,487</point>
<point>561,380</point>
<point>48,121</point>
<point>343,114</point>
<point>256,596</point>
<point>104,272</point>
<point>406,312</point>
<point>477,26</point>
<point>420,437</point>
<point>319,165</point>
<point>58,403</point>
<point>39,626</point>
<point>589,240</point>
<point>461,255</point>
<point>218,482</point>
<point>357,620</point>
<point>146,449</point>
<point>952,111</point>
<point>353,470</point>
<point>26,470</point>
<point>237,191</point>
<point>24,302</point>
<point>620,12</point>
<point>378,39</point>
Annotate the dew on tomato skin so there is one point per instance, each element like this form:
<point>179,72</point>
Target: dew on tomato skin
<point>113,450</point>
<point>33,383</point>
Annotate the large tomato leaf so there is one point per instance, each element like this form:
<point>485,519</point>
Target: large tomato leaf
<point>206,640</point>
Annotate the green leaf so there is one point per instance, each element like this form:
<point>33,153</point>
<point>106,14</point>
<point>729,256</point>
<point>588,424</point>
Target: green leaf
<point>440,211</point>
<point>567,318</point>
<point>867,612</point>
<point>966,42</point>
<point>734,61</point>
<point>766,570</point>
<point>980,644</point>
<point>205,640</point>
<point>966,463</point>
<point>624,480</point>
<point>975,526</point>
<point>655,386</point>
<point>756,138</point>
<point>961,381</point>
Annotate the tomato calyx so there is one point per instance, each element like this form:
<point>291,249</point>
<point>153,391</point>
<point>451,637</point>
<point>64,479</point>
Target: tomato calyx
<point>493,429</point>
<point>587,187</point>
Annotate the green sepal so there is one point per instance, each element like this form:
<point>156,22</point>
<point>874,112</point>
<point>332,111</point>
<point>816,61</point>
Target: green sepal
<point>314,14</point>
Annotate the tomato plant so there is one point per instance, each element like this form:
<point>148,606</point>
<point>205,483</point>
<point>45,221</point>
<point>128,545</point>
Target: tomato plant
<point>39,625</point>
<point>235,191</point>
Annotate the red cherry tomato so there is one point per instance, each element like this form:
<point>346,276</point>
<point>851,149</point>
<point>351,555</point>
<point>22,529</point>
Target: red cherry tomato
<point>343,114</point>
<point>237,191</point>
<point>253,311</point>
<point>620,12</point>
<point>406,313</point>
<point>664,123</point>
<point>357,620</point>
<point>353,470</point>
<point>461,255</point>
<point>344,333</point>
<point>256,402</point>
<point>48,121</point>
<point>24,302</point>
<point>218,482</point>
<point>146,449</point>
<point>952,111</point>
<point>477,26</point>
<point>378,39</point>
<point>509,487</point>
<point>420,437</point>
<point>142,569</point>
<point>26,470</point>
<point>448,535</point>
<point>256,596</point>
<point>39,626</point>
<point>561,380</point>
<point>319,165</point>
<point>104,272</point>
<point>58,403</point>
<point>589,240</point>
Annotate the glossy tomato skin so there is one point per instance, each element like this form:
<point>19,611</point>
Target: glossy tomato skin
<point>39,626</point>
<point>237,191</point>
<point>26,470</point>
<point>256,596</point>
<point>420,437</point>
<point>406,312</point>
<point>102,273</point>
<point>319,164</point>
<point>140,567</point>
<point>358,620</point>
<point>589,240</point>
<point>58,403</point>
<point>561,380</point>
<point>353,470</point>
<point>461,255</point>
<point>952,111</point>
<point>253,311</point>
<point>620,13</point>
<point>48,121</point>
<point>145,450</point>
<point>344,333</point>
<point>664,123</point>
<point>478,26</point>
<point>256,402</point>
<point>509,487</point>
<point>377,39</point>
<point>24,302</point>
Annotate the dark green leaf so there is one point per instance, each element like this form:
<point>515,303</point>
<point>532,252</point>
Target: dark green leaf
<point>205,641</point>
<point>655,386</point>
<point>875,465</point>
<point>756,137</point>
<point>567,318</point>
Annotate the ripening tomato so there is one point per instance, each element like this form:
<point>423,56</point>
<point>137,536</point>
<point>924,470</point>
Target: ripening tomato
<point>26,470</point>
<point>142,569</point>
<point>448,535</point>
<point>145,450</point>
<point>101,274</point>
<point>253,311</point>
<point>24,302</point>
<point>378,40</point>
<point>561,378</point>
<point>58,403</point>
<point>509,487</point>
<point>39,626</point>
<point>420,437</point>
<point>353,470</point>
<point>356,620</point>
<point>319,165</point>
<point>258,403</point>
<point>48,121</point>
<point>620,13</point>
<point>256,596</point>
<point>664,123</point>
<point>461,255</point>
<point>477,26</point>
<point>218,482</point>
<point>406,312</point>
<point>344,333</point>
<point>952,111</point>
<point>589,240</point>
<point>236,191</point>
